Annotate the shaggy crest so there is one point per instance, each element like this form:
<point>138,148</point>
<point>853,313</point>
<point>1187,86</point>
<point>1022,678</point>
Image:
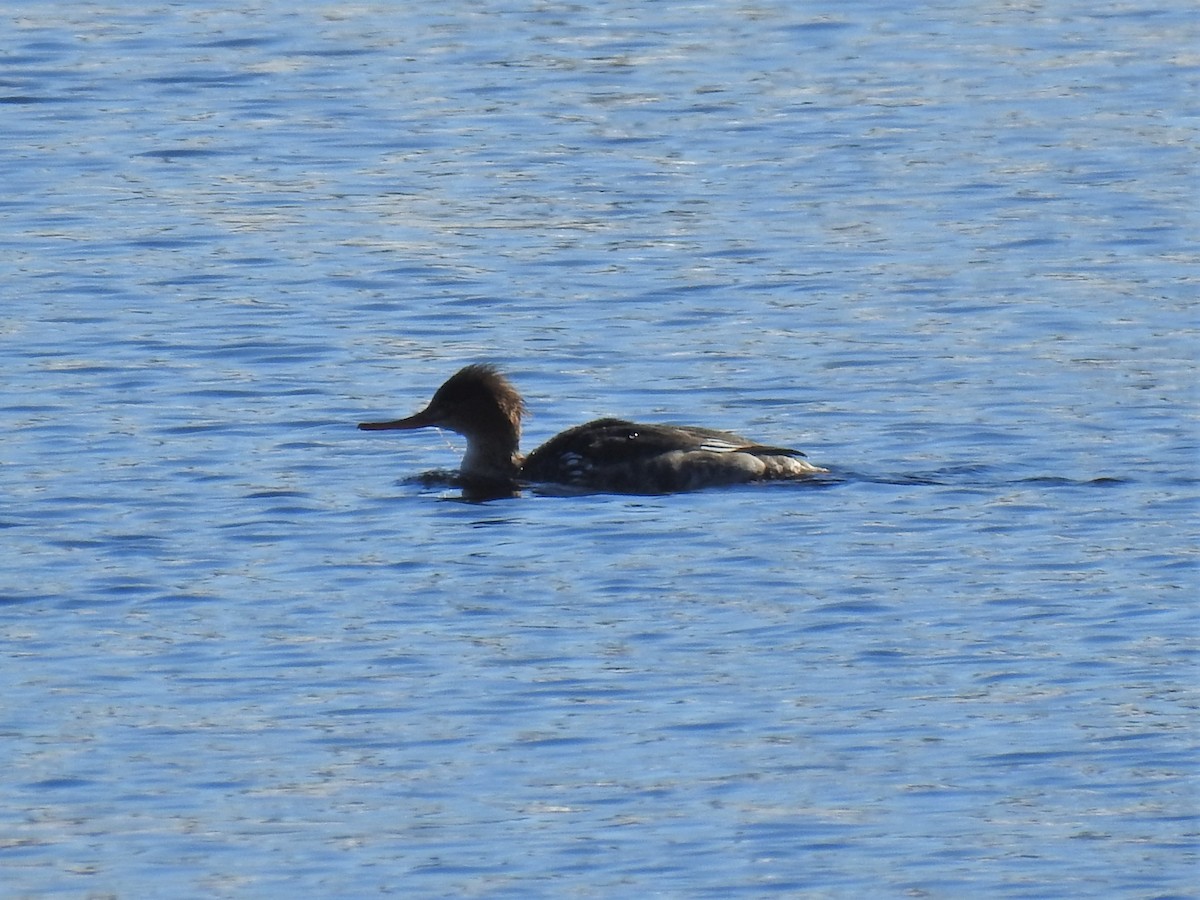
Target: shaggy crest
<point>482,379</point>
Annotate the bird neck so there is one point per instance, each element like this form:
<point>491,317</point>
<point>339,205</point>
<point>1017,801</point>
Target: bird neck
<point>491,457</point>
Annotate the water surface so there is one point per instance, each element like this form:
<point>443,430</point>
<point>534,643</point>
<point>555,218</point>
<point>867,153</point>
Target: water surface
<point>950,251</point>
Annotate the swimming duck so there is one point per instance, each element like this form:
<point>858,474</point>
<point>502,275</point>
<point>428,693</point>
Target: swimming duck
<point>610,455</point>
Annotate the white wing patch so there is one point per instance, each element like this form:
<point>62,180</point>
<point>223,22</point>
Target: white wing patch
<point>716,445</point>
<point>575,466</point>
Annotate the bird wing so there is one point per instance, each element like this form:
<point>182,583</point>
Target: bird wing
<point>616,441</point>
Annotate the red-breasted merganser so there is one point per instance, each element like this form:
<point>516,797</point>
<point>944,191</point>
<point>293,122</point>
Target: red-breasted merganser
<point>605,455</point>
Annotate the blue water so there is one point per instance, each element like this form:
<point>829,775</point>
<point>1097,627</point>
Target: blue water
<point>951,250</point>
